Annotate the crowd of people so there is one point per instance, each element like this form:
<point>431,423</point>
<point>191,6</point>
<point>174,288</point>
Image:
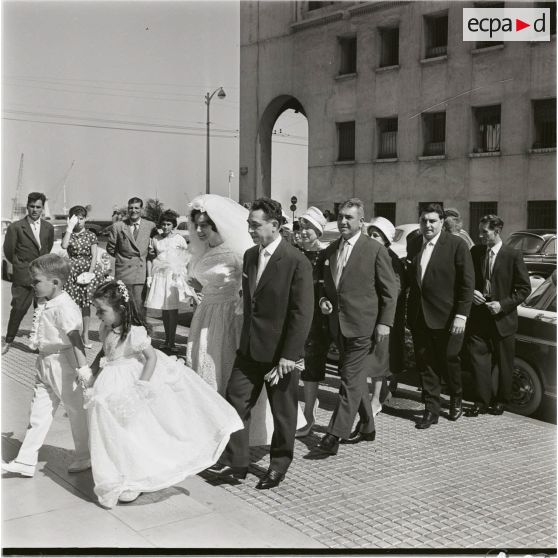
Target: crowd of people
<point>267,308</point>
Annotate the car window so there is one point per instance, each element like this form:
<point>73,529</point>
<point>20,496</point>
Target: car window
<point>528,244</point>
<point>543,298</point>
<point>550,248</point>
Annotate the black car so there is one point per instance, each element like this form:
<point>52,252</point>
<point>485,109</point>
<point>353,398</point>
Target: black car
<point>534,376</point>
<point>539,250</point>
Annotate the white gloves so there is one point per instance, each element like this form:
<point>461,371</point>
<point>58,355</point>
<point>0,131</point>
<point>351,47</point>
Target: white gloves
<point>84,376</point>
<point>149,281</point>
<point>72,222</point>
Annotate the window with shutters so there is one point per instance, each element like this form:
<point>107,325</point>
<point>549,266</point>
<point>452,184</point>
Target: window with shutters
<point>387,138</point>
<point>346,141</point>
<point>436,28</point>
<point>544,116</point>
<point>389,47</point>
<point>385,209</point>
<point>348,55</point>
<point>487,126</point>
<point>434,133</point>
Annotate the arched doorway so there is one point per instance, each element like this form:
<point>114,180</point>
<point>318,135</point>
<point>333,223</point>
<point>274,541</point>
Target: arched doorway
<point>283,137</point>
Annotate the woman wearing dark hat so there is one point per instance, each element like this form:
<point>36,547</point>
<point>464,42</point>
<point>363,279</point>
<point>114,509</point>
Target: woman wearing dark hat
<point>312,225</point>
<point>388,357</point>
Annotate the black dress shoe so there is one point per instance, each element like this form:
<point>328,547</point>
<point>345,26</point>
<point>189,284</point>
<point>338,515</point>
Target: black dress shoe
<point>227,471</point>
<point>456,408</point>
<point>357,436</point>
<point>496,409</point>
<point>329,444</point>
<point>476,410</point>
<point>271,479</point>
<point>428,419</point>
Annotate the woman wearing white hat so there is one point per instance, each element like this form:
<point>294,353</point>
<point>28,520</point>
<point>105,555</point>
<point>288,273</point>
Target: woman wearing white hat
<point>312,225</point>
<point>388,357</point>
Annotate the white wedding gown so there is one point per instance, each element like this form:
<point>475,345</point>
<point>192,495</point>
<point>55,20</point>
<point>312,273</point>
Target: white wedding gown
<point>215,332</point>
<point>146,436</point>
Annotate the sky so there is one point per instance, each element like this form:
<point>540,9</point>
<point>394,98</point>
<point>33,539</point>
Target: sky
<point>118,89</point>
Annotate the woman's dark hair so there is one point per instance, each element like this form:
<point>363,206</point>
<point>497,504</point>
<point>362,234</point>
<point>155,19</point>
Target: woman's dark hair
<point>114,293</point>
<point>169,216</point>
<point>78,210</point>
<point>195,212</point>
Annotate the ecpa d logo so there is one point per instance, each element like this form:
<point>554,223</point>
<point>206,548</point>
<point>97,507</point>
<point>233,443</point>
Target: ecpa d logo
<point>506,24</point>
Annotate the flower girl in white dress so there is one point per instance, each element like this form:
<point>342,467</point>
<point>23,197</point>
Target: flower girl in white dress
<point>153,421</point>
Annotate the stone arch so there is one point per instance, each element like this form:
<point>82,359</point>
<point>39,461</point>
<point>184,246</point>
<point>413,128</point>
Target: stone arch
<point>265,129</point>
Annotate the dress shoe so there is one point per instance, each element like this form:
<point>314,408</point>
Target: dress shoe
<point>305,430</point>
<point>128,496</point>
<point>271,479</point>
<point>456,408</point>
<point>476,410</point>
<point>19,468</point>
<point>6,347</point>
<point>428,419</point>
<point>79,465</point>
<point>329,444</point>
<point>496,409</point>
<point>357,436</point>
<point>227,471</point>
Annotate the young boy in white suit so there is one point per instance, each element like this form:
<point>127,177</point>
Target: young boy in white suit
<point>62,368</point>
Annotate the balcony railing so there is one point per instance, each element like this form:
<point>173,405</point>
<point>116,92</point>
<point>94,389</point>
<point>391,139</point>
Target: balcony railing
<point>435,148</point>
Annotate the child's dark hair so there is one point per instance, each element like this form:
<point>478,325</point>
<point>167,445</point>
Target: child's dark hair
<point>168,216</point>
<point>117,296</point>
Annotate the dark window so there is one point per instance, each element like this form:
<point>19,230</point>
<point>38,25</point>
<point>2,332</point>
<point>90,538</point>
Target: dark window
<point>434,129</point>
<point>541,214</point>
<point>477,210</point>
<point>386,210</point>
<point>389,47</point>
<point>387,138</point>
<point>550,248</point>
<point>544,115</point>
<point>552,6</point>
<point>423,205</point>
<point>317,5</point>
<point>486,44</point>
<point>346,141</point>
<point>348,48</point>
<point>436,35</point>
<point>487,126</point>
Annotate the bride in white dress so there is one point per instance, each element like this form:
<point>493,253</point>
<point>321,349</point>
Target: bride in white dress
<point>218,239</point>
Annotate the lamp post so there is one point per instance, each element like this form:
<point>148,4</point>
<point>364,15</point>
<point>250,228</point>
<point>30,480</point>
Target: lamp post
<point>221,94</point>
<point>231,175</point>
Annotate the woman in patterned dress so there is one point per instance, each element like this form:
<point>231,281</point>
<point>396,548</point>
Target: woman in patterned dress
<point>81,245</point>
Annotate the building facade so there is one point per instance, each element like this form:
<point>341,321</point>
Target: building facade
<point>401,111</point>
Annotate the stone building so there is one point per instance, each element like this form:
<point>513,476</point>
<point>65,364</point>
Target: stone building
<point>401,111</point>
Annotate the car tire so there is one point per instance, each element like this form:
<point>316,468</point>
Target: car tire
<point>527,389</point>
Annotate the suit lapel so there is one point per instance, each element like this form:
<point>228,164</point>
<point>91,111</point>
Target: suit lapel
<point>43,235</point>
<point>438,247</point>
<point>269,270</point>
<point>333,258</point>
<point>353,258</point>
<point>29,232</point>
<point>252,269</point>
<point>126,228</point>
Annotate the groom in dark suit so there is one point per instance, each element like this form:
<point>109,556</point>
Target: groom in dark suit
<point>501,285</point>
<point>360,296</point>
<point>26,240</point>
<point>278,295</point>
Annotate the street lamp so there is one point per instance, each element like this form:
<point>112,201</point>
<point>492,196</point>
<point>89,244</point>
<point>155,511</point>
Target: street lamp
<point>231,175</point>
<point>221,94</point>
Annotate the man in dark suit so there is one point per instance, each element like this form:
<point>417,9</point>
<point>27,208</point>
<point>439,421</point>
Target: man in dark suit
<point>278,295</point>
<point>26,240</point>
<point>128,242</point>
<point>501,285</point>
<point>441,282</point>
<point>360,297</point>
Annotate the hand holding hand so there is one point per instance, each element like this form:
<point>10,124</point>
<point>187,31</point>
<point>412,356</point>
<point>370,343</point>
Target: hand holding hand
<point>148,282</point>
<point>458,326</point>
<point>285,366</point>
<point>71,223</point>
<point>325,306</point>
<point>381,332</point>
<point>478,298</point>
<point>494,307</point>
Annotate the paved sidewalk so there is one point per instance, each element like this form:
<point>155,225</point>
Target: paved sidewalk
<point>478,483</point>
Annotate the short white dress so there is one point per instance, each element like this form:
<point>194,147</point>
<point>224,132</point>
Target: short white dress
<point>146,436</point>
<point>168,271</point>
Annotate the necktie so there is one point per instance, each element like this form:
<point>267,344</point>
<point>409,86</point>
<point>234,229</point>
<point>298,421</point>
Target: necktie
<point>488,272</point>
<point>136,230</point>
<point>425,258</point>
<point>37,233</point>
<point>261,264</point>
<point>341,262</point>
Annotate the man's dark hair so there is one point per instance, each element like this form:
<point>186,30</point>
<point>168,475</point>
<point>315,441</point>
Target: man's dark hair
<point>135,200</point>
<point>271,209</point>
<point>34,196</point>
<point>353,202</point>
<point>433,208</point>
<point>493,221</point>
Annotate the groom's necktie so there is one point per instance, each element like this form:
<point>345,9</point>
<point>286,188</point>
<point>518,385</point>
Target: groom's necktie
<point>262,263</point>
<point>341,261</point>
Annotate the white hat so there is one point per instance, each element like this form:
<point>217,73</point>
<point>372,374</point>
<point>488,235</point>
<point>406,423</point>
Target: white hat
<point>316,218</point>
<point>384,225</point>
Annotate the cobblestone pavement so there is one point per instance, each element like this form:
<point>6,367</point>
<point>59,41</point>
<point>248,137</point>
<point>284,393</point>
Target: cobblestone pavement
<point>485,482</point>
